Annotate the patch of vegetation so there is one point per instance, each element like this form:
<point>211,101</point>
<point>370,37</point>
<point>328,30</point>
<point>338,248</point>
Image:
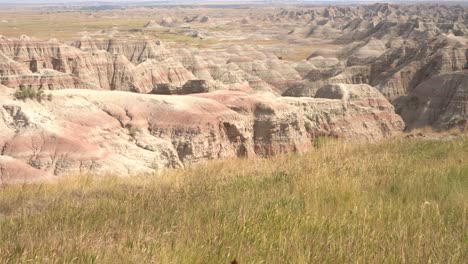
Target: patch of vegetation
<point>58,24</point>
<point>101,7</point>
<point>30,93</point>
<point>132,133</point>
<point>391,202</point>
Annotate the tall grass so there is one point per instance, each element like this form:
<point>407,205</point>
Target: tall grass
<point>391,202</point>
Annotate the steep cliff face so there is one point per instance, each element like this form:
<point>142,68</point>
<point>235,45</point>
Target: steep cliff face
<point>102,131</point>
<point>383,21</point>
<point>419,62</point>
<point>394,48</point>
<point>10,67</point>
<point>135,65</point>
<point>135,50</point>
<point>441,101</point>
<point>395,68</point>
<point>131,105</point>
<point>397,49</point>
<point>37,54</point>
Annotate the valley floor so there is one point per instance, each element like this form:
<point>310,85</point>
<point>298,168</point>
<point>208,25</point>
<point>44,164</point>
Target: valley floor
<point>398,201</point>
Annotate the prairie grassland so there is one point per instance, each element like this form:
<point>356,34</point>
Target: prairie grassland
<point>399,201</point>
<point>63,26</point>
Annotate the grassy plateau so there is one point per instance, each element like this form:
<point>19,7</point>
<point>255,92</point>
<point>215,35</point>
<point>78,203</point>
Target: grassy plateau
<point>398,201</point>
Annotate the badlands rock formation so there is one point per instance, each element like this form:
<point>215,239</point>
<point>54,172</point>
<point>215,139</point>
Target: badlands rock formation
<point>135,65</point>
<point>441,101</point>
<point>83,131</point>
<point>393,48</point>
<point>152,24</point>
<point>131,104</point>
<point>394,67</point>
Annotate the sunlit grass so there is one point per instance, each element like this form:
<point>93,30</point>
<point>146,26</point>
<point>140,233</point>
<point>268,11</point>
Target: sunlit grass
<point>392,202</point>
<point>60,26</point>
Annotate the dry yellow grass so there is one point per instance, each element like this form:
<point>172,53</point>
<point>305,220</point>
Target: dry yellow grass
<point>400,201</point>
<point>60,26</point>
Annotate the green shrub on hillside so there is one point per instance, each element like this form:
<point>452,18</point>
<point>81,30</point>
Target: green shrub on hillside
<point>30,93</point>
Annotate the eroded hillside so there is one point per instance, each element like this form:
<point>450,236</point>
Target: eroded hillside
<point>192,85</point>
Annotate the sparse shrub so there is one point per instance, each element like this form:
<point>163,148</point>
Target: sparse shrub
<point>132,132</point>
<point>319,142</point>
<point>39,95</point>
<point>30,93</point>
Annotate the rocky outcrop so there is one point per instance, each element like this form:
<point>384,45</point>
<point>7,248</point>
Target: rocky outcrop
<point>409,53</point>
<point>136,65</point>
<point>135,50</point>
<point>395,68</point>
<point>152,24</point>
<point>441,102</point>
<point>130,104</point>
<point>196,18</point>
<point>406,65</point>
<point>190,87</point>
<point>100,131</point>
<point>382,21</point>
<point>45,80</point>
<point>394,48</point>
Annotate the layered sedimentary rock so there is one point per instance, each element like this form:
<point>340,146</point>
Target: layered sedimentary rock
<point>394,48</point>
<point>135,50</point>
<point>397,70</point>
<point>136,65</point>
<point>130,104</point>
<point>197,18</point>
<point>100,131</point>
<point>441,102</point>
<point>152,24</point>
<point>381,20</point>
